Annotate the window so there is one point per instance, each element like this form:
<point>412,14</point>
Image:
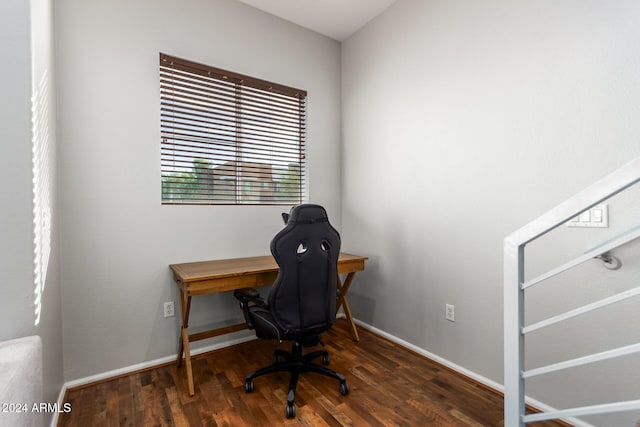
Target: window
<point>228,138</point>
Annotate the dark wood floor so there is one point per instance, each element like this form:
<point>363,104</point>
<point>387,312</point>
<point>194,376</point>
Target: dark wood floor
<point>390,386</point>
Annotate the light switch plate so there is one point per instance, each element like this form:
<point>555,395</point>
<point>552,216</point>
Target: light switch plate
<point>596,217</point>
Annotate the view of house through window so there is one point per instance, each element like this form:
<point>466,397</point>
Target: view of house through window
<point>228,138</point>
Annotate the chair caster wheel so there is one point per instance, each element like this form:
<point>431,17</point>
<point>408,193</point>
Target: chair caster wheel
<point>344,389</point>
<point>291,410</point>
<point>248,386</point>
<point>325,359</point>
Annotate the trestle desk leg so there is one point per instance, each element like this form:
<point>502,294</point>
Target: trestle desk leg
<point>342,301</point>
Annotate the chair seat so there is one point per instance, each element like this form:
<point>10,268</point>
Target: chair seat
<point>266,327</point>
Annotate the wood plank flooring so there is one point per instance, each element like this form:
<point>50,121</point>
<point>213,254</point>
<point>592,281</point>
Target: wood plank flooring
<point>390,386</point>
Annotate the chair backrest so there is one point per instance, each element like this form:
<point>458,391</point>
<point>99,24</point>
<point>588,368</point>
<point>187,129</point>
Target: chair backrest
<point>303,297</point>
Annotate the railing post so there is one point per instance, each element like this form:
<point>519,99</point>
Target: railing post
<point>514,407</point>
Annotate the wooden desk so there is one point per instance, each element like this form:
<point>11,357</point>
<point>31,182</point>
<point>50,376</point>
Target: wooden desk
<point>207,277</point>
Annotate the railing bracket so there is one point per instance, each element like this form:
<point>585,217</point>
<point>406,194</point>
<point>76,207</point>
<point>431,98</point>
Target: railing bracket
<point>609,261</point>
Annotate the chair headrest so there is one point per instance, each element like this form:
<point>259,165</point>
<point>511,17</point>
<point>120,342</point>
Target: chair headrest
<point>307,214</point>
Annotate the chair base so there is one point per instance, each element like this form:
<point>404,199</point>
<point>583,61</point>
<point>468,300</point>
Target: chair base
<point>297,363</point>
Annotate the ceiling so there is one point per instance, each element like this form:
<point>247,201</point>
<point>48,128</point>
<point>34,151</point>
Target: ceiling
<point>337,19</point>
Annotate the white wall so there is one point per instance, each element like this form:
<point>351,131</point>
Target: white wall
<point>117,239</point>
<point>27,50</point>
<point>462,121</point>
<point>16,219</point>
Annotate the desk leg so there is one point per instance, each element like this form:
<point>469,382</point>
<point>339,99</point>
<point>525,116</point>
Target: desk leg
<point>187,353</point>
<point>183,343</point>
<point>184,317</point>
<point>342,301</point>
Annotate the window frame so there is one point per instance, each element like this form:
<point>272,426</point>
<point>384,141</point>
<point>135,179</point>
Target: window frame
<point>219,127</point>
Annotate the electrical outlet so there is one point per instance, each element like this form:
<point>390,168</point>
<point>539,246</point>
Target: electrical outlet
<point>169,309</point>
<point>450,312</point>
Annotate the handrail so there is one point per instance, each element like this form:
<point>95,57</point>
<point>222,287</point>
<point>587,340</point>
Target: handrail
<point>610,185</point>
<point>514,296</point>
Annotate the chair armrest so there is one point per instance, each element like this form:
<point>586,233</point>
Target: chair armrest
<point>248,297</point>
<point>246,294</point>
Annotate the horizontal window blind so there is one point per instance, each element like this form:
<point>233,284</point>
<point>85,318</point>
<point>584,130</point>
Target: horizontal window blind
<point>228,138</point>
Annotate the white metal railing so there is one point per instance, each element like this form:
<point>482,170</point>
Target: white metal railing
<point>515,285</point>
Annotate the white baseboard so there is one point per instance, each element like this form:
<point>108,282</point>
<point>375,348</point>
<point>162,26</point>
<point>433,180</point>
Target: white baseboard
<point>466,372</point>
<point>150,364</point>
<point>54,419</point>
<point>138,367</point>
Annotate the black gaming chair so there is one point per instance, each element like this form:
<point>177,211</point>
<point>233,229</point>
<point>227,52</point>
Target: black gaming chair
<point>302,302</point>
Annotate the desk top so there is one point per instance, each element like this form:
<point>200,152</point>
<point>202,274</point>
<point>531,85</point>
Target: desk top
<point>226,268</point>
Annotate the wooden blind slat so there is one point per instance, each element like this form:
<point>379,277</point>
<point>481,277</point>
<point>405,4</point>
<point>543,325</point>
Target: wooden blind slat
<point>211,132</point>
<point>209,147</point>
<point>236,107</point>
<point>224,89</point>
<point>246,128</point>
